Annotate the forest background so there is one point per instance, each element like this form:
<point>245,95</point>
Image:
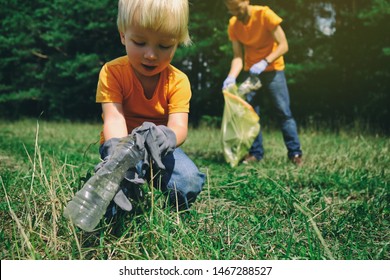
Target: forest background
<point>337,66</point>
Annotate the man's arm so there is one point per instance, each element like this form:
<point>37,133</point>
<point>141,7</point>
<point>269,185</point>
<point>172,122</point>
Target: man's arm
<point>281,40</point>
<point>237,61</point>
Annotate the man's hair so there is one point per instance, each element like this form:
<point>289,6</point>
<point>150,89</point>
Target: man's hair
<point>228,1</point>
<point>168,16</point>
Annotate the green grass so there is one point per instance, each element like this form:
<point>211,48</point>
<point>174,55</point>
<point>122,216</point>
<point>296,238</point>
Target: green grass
<point>335,207</point>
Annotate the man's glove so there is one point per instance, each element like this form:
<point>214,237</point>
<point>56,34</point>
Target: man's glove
<point>158,141</point>
<point>258,68</point>
<point>229,81</point>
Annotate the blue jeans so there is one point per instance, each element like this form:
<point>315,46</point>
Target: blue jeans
<point>274,83</point>
<point>181,180</point>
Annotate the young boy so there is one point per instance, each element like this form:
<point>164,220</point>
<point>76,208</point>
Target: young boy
<point>144,87</point>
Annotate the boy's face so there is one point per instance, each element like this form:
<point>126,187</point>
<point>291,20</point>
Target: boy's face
<point>239,9</point>
<point>149,52</point>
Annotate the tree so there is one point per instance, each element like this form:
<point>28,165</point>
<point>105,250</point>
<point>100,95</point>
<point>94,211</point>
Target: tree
<point>52,53</point>
<point>53,50</point>
<point>206,62</point>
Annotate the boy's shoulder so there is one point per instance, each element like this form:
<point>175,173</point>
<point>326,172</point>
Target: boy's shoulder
<point>175,73</point>
<point>120,61</point>
<point>118,67</point>
<point>175,70</point>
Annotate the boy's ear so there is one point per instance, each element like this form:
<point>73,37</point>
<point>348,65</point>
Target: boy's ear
<point>122,35</point>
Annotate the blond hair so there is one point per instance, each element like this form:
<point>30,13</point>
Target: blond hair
<point>168,16</point>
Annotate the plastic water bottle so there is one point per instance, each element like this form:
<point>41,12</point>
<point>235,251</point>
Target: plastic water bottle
<point>90,203</point>
<point>250,84</point>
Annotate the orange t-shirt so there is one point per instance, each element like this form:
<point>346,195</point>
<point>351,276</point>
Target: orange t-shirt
<point>119,84</point>
<point>256,36</point>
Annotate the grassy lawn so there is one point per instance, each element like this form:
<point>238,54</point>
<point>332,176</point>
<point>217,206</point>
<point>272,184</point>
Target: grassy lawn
<point>334,207</point>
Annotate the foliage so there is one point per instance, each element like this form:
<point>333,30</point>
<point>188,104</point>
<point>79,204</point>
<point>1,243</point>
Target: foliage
<point>52,52</point>
<point>335,206</point>
<point>55,50</point>
<point>207,61</point>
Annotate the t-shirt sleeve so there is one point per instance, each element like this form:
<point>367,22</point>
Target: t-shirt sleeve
<point>109,87</point>
<point>179,96</point>
<point>232,36</point>
<point>272,20</point>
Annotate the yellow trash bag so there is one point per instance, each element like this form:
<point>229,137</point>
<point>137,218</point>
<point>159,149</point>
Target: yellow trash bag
<point>240,126</point>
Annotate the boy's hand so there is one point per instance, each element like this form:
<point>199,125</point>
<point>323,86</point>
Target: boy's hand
<point>108,148</point>
<point>106,151</point>
<point>158,141</point>
<point>166,139</point>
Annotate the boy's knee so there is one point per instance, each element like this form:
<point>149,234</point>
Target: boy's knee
<point>184,193</point>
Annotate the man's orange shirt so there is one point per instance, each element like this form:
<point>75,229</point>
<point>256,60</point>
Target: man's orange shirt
<point>256,36</point>
<point>119,84</point>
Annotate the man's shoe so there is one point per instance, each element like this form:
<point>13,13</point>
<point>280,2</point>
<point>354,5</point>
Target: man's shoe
<point>297,160</point>
<point>250,159</point>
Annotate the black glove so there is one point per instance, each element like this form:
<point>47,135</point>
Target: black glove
<point>158,141</point>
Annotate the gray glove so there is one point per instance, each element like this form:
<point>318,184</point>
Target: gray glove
<point>120,198</point>
<point>158,141</point>
<point>108,147</point>
<point>165,138</point>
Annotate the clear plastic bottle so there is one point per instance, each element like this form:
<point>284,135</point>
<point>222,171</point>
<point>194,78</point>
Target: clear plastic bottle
<point>250,84</point>
<point>89,204</point>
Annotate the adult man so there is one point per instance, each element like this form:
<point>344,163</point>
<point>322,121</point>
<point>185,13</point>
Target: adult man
<point>259,44</point>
